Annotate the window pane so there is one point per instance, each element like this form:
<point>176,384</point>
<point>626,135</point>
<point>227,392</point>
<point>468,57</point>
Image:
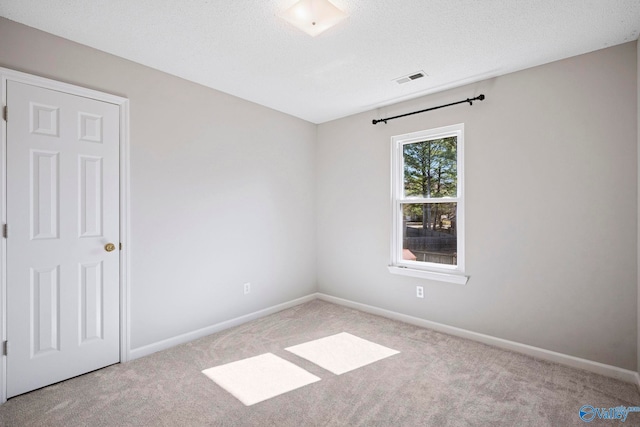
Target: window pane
<point>429,233</point>
<point>430,168</point>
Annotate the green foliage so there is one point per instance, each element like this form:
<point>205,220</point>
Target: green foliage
<point>430,171</point>
<point>430,168</point>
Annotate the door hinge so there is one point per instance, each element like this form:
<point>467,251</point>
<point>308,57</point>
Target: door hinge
<point>5,231</point>
<point>5,113</point>
<point>5,348</point>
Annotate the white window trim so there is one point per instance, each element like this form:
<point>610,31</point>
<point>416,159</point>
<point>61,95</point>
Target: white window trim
<point>433,271</point>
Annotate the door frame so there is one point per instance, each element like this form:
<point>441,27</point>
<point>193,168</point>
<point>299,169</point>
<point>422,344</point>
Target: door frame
<point>7,75</point>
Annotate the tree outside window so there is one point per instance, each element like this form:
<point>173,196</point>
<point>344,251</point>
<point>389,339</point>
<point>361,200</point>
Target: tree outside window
<point>428,202</point>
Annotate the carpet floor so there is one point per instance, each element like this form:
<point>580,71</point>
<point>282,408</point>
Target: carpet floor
<point>435,380</point>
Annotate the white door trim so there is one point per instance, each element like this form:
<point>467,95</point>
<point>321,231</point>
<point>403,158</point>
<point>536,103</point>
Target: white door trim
<point>11,75</point>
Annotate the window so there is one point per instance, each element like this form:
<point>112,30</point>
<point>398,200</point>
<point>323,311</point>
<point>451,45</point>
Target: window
<point>428,204</point>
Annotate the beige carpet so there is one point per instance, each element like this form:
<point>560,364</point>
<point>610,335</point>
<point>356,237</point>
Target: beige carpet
<point>435,380</point>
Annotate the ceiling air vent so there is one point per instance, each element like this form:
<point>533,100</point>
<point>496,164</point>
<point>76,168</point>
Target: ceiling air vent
<point>410,77</point>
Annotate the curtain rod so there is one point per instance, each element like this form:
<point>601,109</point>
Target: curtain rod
<point>469,100</point>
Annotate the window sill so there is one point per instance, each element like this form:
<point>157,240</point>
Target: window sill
<point>432,275</point>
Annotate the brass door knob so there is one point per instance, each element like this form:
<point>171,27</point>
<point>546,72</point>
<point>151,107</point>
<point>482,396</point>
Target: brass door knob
<point>109,247</point>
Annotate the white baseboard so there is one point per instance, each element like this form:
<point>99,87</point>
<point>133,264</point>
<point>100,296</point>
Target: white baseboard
<point>540,353</point>
<point>190,336</point>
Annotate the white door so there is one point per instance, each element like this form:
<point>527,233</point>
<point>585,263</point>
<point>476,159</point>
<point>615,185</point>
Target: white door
<point>62,212</point>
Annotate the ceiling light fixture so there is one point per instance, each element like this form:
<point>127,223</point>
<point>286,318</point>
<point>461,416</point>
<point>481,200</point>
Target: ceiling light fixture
<point>313,16</point>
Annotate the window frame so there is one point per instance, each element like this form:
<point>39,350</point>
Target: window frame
<point>421,269</point>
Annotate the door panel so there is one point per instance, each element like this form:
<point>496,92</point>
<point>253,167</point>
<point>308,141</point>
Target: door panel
<point>62,209</point>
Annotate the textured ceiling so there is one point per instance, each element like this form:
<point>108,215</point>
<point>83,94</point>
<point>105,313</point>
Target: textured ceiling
<point>243,48</point>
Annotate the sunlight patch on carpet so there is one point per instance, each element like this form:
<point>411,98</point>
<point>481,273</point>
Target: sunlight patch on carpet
<point>259,378</point>
<point>342,352</point>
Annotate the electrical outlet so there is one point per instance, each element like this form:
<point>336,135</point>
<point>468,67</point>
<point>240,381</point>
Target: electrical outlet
<point>247,288</point>
<point>419,292</point>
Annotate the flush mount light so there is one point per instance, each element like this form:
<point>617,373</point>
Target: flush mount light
<point>313,16</point>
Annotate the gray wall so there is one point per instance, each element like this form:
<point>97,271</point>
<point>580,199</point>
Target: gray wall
<point>551,214</point>
<point>222,190</point>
